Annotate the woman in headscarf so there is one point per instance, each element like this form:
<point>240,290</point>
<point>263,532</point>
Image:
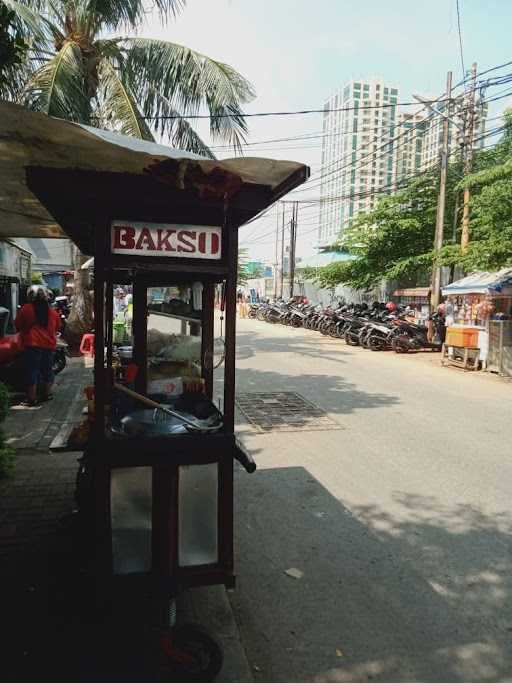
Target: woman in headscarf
<point>38,325</point>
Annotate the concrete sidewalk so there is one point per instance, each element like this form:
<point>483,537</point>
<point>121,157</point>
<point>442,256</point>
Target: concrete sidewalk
<point>48,626</point>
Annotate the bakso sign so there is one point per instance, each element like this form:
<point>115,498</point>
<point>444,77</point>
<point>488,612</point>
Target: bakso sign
<point>164,239</point>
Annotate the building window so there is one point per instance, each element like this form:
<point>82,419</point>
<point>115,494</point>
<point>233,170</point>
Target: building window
<point>394,91</point>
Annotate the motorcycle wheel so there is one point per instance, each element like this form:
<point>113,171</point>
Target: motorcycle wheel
<point>333,330</point>
<point>351,339</point>
<point>400,345</point>
<point>363,339</point>
<point>201,658</point>
<point>59,363</point>
<point>375,344</point>
<point>296,322</point>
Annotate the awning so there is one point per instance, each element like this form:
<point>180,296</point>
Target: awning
<point>65,153</point>
<point>499,282</point>
<point>418,292</point>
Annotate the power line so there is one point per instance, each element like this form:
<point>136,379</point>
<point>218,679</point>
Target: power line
<point>460,40</point>
<point>362,195</point>
<point>298,112</point>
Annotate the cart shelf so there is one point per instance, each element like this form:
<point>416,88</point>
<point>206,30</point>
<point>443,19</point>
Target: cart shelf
<point>187,318</point>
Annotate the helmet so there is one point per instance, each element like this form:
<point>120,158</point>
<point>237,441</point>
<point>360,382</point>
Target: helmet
<point>37,293</point>
<point>391,307</point>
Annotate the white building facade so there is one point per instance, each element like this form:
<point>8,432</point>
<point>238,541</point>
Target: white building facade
<point>357,152</point>
<point>369,149</point>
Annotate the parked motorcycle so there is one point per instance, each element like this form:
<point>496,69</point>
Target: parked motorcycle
<point>413,337</point>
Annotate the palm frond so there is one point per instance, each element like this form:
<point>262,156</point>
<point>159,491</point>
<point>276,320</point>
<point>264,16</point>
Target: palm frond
<point>58,87</point>
<point>188,81</point>
<point>180,132</point>
<point>118,109</point>
<point>36,27</point>
<point>116,14</point>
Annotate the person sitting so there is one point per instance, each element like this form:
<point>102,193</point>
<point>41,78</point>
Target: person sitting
<point>38,325</point>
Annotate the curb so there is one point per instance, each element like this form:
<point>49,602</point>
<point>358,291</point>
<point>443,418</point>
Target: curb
<point>210,607</point>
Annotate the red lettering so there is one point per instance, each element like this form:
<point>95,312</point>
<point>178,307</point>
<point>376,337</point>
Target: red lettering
<point>215,243</point>
<point>201,242</point>
<point>145,238</point>
<point>163,243</point>
<point>184,244</point>
<point>124,237</point>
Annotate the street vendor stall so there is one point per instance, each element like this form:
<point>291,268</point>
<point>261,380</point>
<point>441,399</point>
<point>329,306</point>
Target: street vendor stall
<point>417,299</point>
<point>155,485</point>
<point>471,305</point>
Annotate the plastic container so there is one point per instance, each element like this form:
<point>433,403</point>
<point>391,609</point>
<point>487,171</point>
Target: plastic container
<point>87,345</point>
<point>119,332</point>
<point>463,337</point>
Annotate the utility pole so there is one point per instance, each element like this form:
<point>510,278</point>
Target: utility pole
<point>441,201</point>
<point>276,262</point>
<point>468,162</point>
<point>293,242</point>
<point>282,257</point>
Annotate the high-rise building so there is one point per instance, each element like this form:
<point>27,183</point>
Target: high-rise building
<point>410,145</point>
<point>420,135</point>
<point>357,152</point>
<point>369,148</point>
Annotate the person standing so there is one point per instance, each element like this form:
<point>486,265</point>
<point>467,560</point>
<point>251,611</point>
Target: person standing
<point>38,325</point>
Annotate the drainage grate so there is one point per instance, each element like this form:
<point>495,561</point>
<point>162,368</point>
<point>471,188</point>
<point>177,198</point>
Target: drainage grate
<point>283,411</point>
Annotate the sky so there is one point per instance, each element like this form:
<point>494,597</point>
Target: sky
<point>297,52</point>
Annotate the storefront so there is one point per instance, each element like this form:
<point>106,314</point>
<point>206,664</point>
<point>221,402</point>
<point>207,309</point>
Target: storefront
<point>417,299</point>
<point>473,304</point>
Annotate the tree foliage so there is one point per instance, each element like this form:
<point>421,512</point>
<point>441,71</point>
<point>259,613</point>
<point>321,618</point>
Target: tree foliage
<point>82,67</point>
<point>13,49</point>
<point>395,240</point>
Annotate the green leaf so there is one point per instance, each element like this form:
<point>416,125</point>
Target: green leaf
<point>187,81</point>
<point>58,87</point>
<point>119,108</point>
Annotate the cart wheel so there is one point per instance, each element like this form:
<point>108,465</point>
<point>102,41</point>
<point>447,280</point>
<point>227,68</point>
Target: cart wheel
<point>192,655</point>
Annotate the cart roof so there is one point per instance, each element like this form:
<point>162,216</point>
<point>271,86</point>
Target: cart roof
<point>481,283</point>
<point>56,177</point>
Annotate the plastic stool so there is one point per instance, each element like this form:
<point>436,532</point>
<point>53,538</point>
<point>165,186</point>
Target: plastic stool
<point>87,345</point>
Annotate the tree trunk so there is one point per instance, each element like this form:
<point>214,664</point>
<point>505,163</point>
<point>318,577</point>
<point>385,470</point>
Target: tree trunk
<point>80,319</point>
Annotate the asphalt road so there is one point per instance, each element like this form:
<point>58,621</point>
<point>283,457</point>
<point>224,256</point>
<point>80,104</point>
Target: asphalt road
<point>399,522</point>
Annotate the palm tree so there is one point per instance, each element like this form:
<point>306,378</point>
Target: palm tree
<point>82,66</point>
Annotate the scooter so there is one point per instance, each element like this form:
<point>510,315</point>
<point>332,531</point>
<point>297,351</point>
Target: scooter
<point>412,337</point>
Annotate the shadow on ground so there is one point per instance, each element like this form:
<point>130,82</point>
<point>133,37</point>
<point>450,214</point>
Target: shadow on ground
<point>333,393</point>
<point>291,341</point>
<point>421,598</point>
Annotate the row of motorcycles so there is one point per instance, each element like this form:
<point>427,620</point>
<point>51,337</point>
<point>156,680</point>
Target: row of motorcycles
<point>379,327</point>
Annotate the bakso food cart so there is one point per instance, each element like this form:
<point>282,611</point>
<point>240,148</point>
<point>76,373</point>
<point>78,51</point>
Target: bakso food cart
<point>156,477</point>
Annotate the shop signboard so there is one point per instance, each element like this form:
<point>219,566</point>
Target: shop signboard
<point>165,239</point>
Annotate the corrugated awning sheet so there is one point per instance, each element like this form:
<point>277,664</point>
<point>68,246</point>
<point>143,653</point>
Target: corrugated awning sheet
<point>481,283</point>
<point>31,139</point>
<point>413,291</point>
